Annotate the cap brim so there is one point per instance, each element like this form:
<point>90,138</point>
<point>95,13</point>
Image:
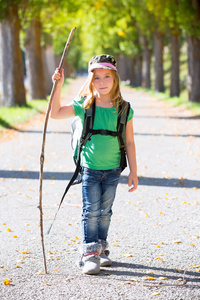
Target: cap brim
<point>101,66</point>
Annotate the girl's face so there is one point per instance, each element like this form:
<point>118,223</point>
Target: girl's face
<point>103,81</point>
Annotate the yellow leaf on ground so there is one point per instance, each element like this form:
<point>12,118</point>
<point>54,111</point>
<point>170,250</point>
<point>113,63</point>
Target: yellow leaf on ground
<point>177,242</point>
<point>162,278</point>
<point>192,245</point>
<point>148,278</point>
<point>133,279</point>
<point>26,252</point>
<point>15,236</point>
<point>5,269</point>
<point>127,255</point>
<point>159,259</point>
<point>8,229</point>
<point>4,224</point>
<point>46,283</point>
<point>115,245</point>
<point>6,282</point>
<point>156,293</point>
<point>150,272</point>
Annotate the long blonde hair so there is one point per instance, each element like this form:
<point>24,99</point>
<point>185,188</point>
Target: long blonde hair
<point>88,92</point>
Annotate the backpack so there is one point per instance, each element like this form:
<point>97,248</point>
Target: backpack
<point>81,134</point>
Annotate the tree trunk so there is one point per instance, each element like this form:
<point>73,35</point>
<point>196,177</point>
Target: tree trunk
<point>12,63</point>
<point>138,70</point>
<point>146,64</point>
<point>122,67</point>
<point>175,65</point>
<point>49,66</point>
<point>194,68</point>
<point>34,61</point>
<point>158,67</point>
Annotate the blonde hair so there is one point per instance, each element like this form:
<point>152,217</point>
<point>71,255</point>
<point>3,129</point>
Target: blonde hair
<point>88,91</point>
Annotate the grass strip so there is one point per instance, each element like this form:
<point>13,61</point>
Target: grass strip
<point>11,116</point>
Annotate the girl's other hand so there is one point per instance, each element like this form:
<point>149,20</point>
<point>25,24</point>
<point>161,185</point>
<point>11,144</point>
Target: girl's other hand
<point>58,76</point>
<point>132,181</point>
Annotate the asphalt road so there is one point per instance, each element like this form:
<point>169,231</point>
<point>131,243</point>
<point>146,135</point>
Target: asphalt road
<point>155,232</point>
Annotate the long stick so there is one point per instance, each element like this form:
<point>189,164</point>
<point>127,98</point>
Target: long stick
<point>43,143</point>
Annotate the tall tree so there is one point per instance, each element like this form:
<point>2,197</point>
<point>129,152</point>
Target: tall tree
<point>166,14</point>
<point>189,13</point>
<point>12,63</point>
<point>34,60</point>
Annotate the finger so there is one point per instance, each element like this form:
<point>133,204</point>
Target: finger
<point>132,189</point>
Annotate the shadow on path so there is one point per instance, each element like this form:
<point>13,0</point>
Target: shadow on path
<point>147,181</point>
<point>134,270</point>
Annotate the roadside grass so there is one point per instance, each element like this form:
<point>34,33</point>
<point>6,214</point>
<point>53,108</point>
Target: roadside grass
<point>11,116</point>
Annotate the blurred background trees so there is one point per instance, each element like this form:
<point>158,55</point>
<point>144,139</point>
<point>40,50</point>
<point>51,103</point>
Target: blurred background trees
<point>151,39</point>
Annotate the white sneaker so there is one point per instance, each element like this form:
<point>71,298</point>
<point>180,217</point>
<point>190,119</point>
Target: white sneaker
<point>91,264</point>
<point>105,261</point>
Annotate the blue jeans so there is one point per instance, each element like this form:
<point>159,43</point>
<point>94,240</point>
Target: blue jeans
<point>98,190</point>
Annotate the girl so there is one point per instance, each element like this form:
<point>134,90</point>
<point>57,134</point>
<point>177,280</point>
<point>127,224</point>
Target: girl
<point>100,158</point>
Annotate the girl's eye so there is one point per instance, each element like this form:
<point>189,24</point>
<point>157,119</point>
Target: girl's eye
<point>108,76</point>
<point>96,78</point>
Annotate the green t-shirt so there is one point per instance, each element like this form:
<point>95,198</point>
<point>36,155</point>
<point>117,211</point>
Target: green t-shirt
<point>102,151</point>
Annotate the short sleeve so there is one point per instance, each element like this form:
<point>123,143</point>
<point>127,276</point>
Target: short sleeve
<point>130,115</point>
<point>78,106</point>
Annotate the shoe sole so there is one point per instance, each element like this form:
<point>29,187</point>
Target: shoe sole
<point>106,264</point>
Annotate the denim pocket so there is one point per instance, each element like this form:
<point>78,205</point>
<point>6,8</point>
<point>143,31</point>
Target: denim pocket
<point>117,170</point>
<point>84,171</point>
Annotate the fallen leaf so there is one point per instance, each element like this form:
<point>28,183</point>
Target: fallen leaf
<point>133,279</point>
<point>115,245</point>
<point>5,269</point>
<point>192,245</point>
<point>195,203</point>
<point>6,282</point>
<point>15,236</point>
<point>26,252</point>
<point>127,255</point>
<point>179,271</point>
<point>4,224</point>
<point>8,229</point>
<point>159,259</point>
<point>156,293</point>
<point>148,278</point>
<point>177,242</point>
<point>46,283</point>
<point>162,278</point>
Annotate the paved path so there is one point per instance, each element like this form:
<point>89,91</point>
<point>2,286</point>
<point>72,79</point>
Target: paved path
<point>154,231</point>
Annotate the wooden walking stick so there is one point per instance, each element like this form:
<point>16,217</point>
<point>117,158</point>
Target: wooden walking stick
<point>43,143</point>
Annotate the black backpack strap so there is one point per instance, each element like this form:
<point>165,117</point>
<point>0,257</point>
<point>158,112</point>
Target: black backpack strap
<point>121,128</point>
<point>88,123</point>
